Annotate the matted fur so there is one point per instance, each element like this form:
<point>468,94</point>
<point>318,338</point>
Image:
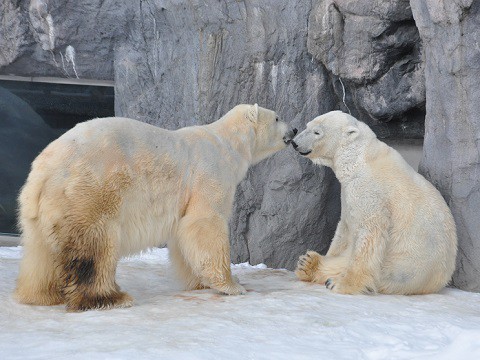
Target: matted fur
<point>396,234</point>
<point>112,187</point>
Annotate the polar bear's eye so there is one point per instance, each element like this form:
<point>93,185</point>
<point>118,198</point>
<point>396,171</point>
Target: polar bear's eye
<point>276,119</point>
<point>316,133</point>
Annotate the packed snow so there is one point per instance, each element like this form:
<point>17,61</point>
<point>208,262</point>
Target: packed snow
<point>279,318</point>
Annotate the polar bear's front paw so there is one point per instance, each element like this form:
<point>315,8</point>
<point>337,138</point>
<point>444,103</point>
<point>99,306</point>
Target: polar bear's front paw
<point>308,265</point>
<point>233,289</point>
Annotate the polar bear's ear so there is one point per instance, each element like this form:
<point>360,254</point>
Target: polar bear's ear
<point>252,113</point>
<point>351,132</point>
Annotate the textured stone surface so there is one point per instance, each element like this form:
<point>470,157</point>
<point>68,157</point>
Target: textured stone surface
<point>179,63</point>
<point>450,31</point>
<point>189,64</point>
<point>372,51</point>
<point>370,48</point>
<point>63,38</point>
<point>13,31</point>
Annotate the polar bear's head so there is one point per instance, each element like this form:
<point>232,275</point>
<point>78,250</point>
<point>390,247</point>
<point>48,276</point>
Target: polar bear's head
<point>270,134</point>
<point>329,134</point>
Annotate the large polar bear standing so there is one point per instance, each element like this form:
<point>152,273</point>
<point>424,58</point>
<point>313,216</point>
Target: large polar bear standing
<point>112,187</point>
<point>396,234</point>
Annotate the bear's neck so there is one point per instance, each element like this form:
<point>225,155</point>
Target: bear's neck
<point>348,162</point>
<point>239,138</point>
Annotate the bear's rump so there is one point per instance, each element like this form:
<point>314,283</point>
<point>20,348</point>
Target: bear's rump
<point>118,205</point>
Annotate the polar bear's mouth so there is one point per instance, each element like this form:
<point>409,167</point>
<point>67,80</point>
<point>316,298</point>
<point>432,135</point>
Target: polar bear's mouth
<point>296,147</point>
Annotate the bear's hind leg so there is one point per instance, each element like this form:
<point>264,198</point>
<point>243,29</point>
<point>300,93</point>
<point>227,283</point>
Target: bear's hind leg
<point>415,279</point>
<point>38,279</point>
<point>88,262</point>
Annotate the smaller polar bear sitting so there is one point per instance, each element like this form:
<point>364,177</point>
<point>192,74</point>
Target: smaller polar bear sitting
<point>396,234</point>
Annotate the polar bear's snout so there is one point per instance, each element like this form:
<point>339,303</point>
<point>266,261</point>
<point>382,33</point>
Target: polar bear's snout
<point>287,139</point>
<point>298,145</point>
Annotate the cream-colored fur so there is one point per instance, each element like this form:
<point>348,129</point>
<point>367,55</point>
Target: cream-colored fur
<point>396,234</point>
<point>112,187</point>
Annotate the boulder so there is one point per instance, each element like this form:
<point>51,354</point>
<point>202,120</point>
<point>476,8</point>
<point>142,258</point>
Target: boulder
<point>372,52</point>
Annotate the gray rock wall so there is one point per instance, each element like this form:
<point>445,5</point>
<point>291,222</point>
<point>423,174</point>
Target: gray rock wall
<point>61,38</point>
<point>189,64</point>
<point>450,32</point>
<point>372,52</point>
<point>179,63</point>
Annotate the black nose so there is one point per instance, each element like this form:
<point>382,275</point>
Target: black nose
<point>295,131</point>
<point>294,144</point>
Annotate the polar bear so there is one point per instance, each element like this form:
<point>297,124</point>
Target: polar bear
<point>396,234</point>
<point>112,187</point>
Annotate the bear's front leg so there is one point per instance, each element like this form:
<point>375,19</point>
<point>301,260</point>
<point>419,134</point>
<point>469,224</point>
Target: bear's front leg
<point>183,270</point>
<point>316,268</point>
<point>363,268</point>
<point>308,266</point>
<point>340,242</point>
<point>203,241</point>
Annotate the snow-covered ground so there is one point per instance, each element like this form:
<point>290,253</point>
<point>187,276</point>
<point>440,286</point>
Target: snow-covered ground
<point>279,318</point>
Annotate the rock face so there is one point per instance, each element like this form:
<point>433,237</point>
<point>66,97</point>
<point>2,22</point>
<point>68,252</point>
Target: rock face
<point>189,64</point>
<point>372,51</point>
<point>451,160</point>
<point>62,38</point>
<point>179,63</point>
<point>185,63</point>
<point>12,33</point>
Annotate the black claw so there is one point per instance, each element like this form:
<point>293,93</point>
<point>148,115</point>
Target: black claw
<point>329,284</point>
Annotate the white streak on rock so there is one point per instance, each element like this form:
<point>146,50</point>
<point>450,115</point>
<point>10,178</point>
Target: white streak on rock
<point>70,58</point>
<point>51,31</point>
<point>274,73</point>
